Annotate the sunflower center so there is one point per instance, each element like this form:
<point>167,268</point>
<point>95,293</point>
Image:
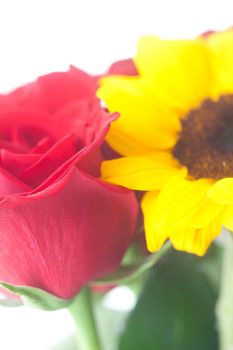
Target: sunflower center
<point>205,144</point>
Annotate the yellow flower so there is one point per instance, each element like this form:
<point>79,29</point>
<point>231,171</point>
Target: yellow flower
<point>176,137</point>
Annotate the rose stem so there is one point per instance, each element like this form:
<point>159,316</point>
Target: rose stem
<point>82,312</point>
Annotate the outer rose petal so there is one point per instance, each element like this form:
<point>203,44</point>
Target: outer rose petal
<point>72,232</point>
<point>59,89</point>
<point>52,91</point>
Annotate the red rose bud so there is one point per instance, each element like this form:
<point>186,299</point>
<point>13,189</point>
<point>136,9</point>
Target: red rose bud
<point>61,226</point>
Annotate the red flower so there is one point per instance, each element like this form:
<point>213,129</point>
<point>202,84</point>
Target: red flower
<point>60,225</point>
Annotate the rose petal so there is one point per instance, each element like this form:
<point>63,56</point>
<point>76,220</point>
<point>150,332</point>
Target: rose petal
<point>16,163</point>
<point>42,146</point>
<point>67,235</point>
<point>27,96</point>
<point>123,67</point>
<point>61,88</point>
<point>19,124</point>
<point>79,158</point>
<point>10,184</point>
<point>84,118</point>
<point>61,151</point>
<point>52,91</point>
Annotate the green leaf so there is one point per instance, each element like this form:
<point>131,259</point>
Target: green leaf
<point>36,297</point>
<point>176,309</point>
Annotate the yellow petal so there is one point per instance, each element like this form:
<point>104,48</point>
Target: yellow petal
<point>179,70</point>
<point>124,143</point>
<point>154,240</point>
<point>145,173</point>
<point>222,191</point>
<point>183,204</point>
<point>144,124</point>
<point>221,46</point>
<point>189,239</point>
<point>227,217</point>
<point>194,240</point>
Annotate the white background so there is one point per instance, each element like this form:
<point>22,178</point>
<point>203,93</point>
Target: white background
<point>38,37</point>
<point>47,35</point>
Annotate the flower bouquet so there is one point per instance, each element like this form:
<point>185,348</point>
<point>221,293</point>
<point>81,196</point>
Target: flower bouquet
<point>125,179</point>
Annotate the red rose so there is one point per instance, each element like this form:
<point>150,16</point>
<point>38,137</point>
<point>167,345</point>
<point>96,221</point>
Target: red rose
<point>60,225</point>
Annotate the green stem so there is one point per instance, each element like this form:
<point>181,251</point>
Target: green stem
<point>127,274</point>
<point>86,331</point>
<point>224,310</point>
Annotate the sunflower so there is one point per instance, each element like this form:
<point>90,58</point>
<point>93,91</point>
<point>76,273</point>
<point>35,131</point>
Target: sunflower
<point>175,135</point>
